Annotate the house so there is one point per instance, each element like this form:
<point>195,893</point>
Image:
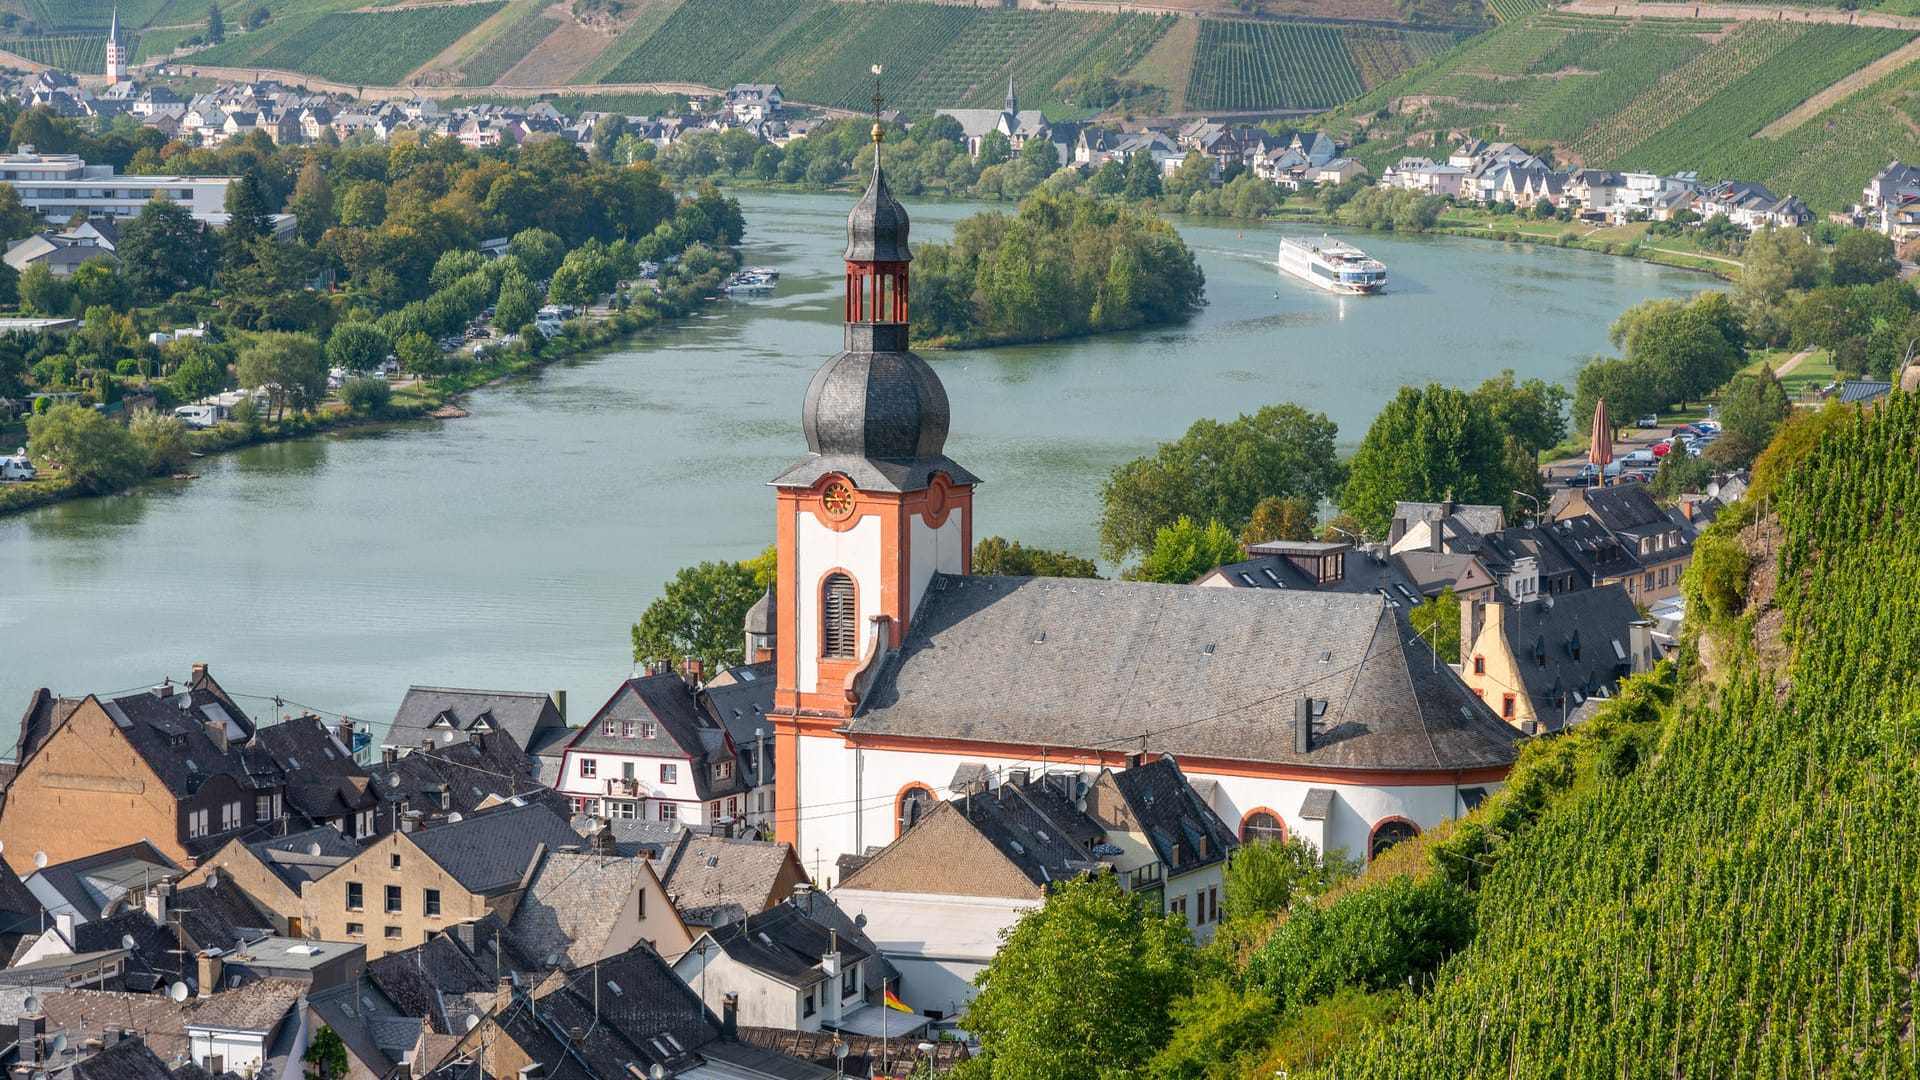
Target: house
<point>1750,206</point>
<point>588,906</point>
<point>1162,837</point>
<point>408,885</point>
<point>614,1020</point>
<point>1431,573</point>
<point>1542,659</point>
<point>782,970</point>
<point>739,698</point>
<point>652,752</point>
<point>435,716</point>
<point>101,884</point>
<point>714,880</point>
<point>324,784</point>
<point>61,253</point>
<point>1891,201</point>
<point>174,766</point>
<point>1641,528</point>
<point>121,1056</point>
<point>1597,556</point>
<point>273,873</point>
<point>1010,120</point>
<point>465,777</point>
<point>752,102</point>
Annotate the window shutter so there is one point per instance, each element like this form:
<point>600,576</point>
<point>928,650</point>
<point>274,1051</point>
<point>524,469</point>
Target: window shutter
<point>837,633</point>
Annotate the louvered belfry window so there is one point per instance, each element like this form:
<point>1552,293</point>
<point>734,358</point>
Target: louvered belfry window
<point>838,617</point>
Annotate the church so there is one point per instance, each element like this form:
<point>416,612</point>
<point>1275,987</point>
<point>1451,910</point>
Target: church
<point>903,679</point>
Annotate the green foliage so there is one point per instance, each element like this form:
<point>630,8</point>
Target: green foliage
<point>701,613</point>
<point>1081,987</point>
<point>419,353</point>
<point>41,293</point>
<point>199,369</point>
<point>357,346</point>
<point>1679,472</point>
<point>367,395</point>
<point>996,557</point>
<point>1185,550</point>
<point>539,252</point>
<point>326,1054</point>
<point>1427,445</point>
<point>1278,517</point>
<point>1437,621</point>
<point>1371,939</point>
<point>161,439</point>
<point>1219,472</point>
<point>1271,65</point>
<point>93,451</point>
<point>517,302</point>
<point>163,250</point>
<point>1862,257</point>
<point>291,368</point>
<point>1753,407</point>
<point>1217,1032</point>
<point>370,48</point>
<point>1064,266</point>
<point>1266,876</point>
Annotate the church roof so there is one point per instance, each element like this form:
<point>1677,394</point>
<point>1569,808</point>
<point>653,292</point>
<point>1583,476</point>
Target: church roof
<point>1182,670</point>
<point>877,226</point>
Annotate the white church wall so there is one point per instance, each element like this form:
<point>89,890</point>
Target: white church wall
<point>821,550</point>
<point>935,551</point>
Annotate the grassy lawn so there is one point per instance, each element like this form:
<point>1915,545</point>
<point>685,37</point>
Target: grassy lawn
<point>1812,374</point>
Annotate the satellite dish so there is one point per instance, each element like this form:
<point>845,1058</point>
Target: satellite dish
<point>860,921</point>
<point>213,880</point>
<point>126,941</point>
<point>1080,805</point>
<point>31,1004</point>
<point>313,848</point>
<point>455,816</point>
<point>40,859</point>
<point>658,1072</point>
<point>553,959</point>
<point>3,846</point>
<point>59,1043</point>
<point>177,992</point>
<point>473,1021</point>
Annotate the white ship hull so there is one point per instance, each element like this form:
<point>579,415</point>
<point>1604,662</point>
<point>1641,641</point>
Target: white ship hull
<point>1332,265</point>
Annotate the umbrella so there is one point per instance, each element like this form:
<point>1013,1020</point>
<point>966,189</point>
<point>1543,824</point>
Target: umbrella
<point>1600,443</point>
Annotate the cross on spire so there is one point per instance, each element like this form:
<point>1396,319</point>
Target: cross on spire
<point>877,102</point>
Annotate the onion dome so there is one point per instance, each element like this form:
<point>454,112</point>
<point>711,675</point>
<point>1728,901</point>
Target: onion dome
<point>876,405</point>
<point>877,227</point>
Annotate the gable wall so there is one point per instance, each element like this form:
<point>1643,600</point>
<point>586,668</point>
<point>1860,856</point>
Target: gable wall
<point>86,791</point>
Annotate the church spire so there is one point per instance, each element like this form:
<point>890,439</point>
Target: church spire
<point>113,28</point>
<point>1013,103</point>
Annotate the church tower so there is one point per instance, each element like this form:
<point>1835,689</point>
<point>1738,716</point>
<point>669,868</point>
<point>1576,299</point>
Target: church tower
<point>873,511</point>
<point>116,53</point>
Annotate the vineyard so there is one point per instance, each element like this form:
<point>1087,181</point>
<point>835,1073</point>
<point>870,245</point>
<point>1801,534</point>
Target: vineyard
<point>55,16</point>
<point>1663,94</point>
<point>507,48</point>
<point>377,48</point>
<point>68,52</point>
<point>1244,66</point>
<point>934,55</point>
<point>1509,11</point>
<point>1744,901</point>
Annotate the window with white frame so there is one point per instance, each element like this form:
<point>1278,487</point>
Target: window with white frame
<point>589,768</point>
<point>723,770</point>
<point>626,729</point>
<point>263,808</point>
<point>609,727</point>
<point>649,729</point>
<point>230,815</point>
<point>620,808</point>
<point>669,811</point>
<point>196,823</point>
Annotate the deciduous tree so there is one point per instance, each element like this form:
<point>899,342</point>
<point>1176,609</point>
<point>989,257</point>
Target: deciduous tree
<point>97,453</point>
<point>700,613</point>
<point>1185,550</point>
<point>995,556</point>
<point>1428,444</point>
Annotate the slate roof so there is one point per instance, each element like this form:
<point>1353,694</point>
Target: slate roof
<point>716,879</point>
<point>80,1013</point>
<point>1594,552</point>
<point>217,917</point>
<point>783,944</point>
<point>681,729</point>
<point>574,903</point>
<point>127,1059</point>
<point>437,712</point>
<point>353,1010</point>
<point>819,906</point>
<point>741,706</point>
<point>157,957</point>
<point>1199,672</point>
<point>431,980</point>
<point>1501,550</point>
<point>261,1006</point>
<point>1035,842</point>
<point>1545,634</point>
<point>45,714</point>
<point>476,771</point>
<point>645,1016</point>
<point>1185,832</point>
<point>864,1051</point>
<point>308,855</point>
<point>492,852</point>
<point>324,782</point>
<point>1431,573</point>
<point>91,881</point>
<point>168,731</point>
<point>1857,390</point>
<point>20,911</point>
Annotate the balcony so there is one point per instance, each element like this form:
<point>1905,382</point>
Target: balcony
<point>622,788</point>
<point>1144,878</point>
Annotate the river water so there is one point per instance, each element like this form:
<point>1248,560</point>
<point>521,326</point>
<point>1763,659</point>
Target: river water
<point>513,549</point>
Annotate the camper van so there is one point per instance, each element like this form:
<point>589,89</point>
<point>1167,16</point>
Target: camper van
<point>17,467</point>
<point>200,416</point>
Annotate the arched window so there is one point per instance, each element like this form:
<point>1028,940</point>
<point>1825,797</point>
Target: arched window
<point>1262,825</point>
<point>837,617</point>
<point>1388,833</point>
<point>915,801</point>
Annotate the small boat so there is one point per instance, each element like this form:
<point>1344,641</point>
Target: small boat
<point>750,283</point>
<point>1333,265</point>
<point>772,274</point>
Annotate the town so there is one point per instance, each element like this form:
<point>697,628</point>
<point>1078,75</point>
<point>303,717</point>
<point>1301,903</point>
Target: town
<point>1405,750</point>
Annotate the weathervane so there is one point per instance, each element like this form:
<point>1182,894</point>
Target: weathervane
<point>877,102</point>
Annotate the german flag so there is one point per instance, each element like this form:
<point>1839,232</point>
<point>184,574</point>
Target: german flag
<point>896,1004</point>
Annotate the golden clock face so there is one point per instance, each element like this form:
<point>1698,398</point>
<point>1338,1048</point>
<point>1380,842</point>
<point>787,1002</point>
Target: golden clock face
<point>838,500</point>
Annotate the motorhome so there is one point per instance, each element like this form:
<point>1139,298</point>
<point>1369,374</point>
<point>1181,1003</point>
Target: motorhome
<point>201,416</point>
<point>17,467</point>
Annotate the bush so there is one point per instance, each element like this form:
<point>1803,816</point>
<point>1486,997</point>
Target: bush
<point>162,440</point>
<point>1372,939</point>
<point>367,396</point>
<point>96,453</point>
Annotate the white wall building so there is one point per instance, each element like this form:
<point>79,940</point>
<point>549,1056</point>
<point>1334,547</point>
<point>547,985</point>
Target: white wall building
<point>56,186</point>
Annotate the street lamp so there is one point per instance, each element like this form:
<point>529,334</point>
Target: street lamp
<point>1534,499</point>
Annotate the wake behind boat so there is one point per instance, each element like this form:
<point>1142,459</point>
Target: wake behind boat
<point>1333,265</point>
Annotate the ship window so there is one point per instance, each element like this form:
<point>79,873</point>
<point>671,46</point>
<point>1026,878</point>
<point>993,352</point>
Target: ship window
<point>837,617</point>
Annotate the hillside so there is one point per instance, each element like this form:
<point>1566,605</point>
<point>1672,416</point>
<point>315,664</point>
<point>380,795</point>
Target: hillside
<point>1737,894</point>
<point>1810,109</point>
<point>1069,62</point>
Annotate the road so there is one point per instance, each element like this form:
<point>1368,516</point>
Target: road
<point>1741,13</point>
<point>371,93</point>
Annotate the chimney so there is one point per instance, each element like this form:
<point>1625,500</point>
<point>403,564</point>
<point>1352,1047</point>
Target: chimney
<point>63,922</point>
<point>692,669</point>
<point>560,704</point>
<point>157,898</point>
<point>577,1036</point>
<point>199,672</point>
<point>1303,726</point>
<point>409,821</point>
<point>216,1064</point>
<point>1019,777</point>
<point>217,731</point>
<point>446,796</point>
<point>602,838</point>
<point>209,971</point>
<point>345,731</point>
<point>33,1037</point>
<point>389,753</point>
<point>503,993</point>
<point>730,1016</point>
<point>1473,615</point>
<point>1640,646</point>
<point>1136,760</point>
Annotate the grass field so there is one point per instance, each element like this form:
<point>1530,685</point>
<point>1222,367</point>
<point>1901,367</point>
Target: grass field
<point>377,48</point>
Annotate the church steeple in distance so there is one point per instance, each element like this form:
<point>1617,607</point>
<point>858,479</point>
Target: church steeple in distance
<point>1013,103</point>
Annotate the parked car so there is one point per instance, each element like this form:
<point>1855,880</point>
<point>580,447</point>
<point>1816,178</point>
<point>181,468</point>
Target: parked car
<point>1642,456</point>
<point>1659,449</point>
<point>1711,427</point>
<point>1651,420</point>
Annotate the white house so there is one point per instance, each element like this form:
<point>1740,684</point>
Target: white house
<point>651,753</point>
<point>781,969</point>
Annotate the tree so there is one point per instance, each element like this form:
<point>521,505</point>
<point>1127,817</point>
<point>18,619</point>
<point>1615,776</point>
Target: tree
<point>41,293</point>
<point>256,18</point>
<point>1109,179</point>
<point>312,201</point>
<point>367,395</point>
<point>1265,875</point>
<point>1427,445</point>
<point>1143,177</point>
<point>517,303</point>
<point>1218,1032</point>
<point>162,440</point>
<point>994,150</point>
<point>939,128</point>
<point>701,613</point>
<point>539,251</point>
<point>1827,316</point>
<point>247,220</point>
<point>290,367</point>
<point>1437,621</point>
<point>1279,517</point>
<point>163,250</point>
<point>17,220</point>
<point>357,346</point>
<point>1683,352</point>
<point>1627,391</point>
<point>216,26</point>
<point>606,135</point>
<point>1774,261</point>
<point>1195,174</point>
<point>1081,988</point>
<point>200,370</point>
<point>1754,407</point>
<point>1219,471</point>
<point>454,265</point>
<point>1679,473</point>
<point>996,557</point>
<point>1534,411</point>
<point>97,283</point>
<point>1862,257</point>
<point>327,1054</point>
<point>1185,550</point>
<point>419,353</point>
<point>95,452</point>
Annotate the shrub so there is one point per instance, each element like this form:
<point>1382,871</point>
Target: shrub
<point>366,396</point>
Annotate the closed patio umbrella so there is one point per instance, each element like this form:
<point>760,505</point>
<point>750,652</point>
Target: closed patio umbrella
<point>1600,442</point>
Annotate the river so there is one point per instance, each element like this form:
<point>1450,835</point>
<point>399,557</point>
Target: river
<point>514,548</point>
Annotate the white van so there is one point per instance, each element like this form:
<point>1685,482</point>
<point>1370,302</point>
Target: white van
<point>17,467</point>
<point>200,416</point>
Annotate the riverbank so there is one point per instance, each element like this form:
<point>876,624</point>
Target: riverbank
<point>419,399</point>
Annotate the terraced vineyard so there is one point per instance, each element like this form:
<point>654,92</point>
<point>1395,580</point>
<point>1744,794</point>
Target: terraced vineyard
<point>68,52</point>
<point>1667,95</point>
<point>1246,65</point>
<point>507,48</point>
<point>934,55</point>
<point>59,15</point>
<point>376,48</point>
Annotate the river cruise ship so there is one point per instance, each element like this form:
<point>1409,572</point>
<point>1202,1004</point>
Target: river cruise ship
<point>1333,265</point>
